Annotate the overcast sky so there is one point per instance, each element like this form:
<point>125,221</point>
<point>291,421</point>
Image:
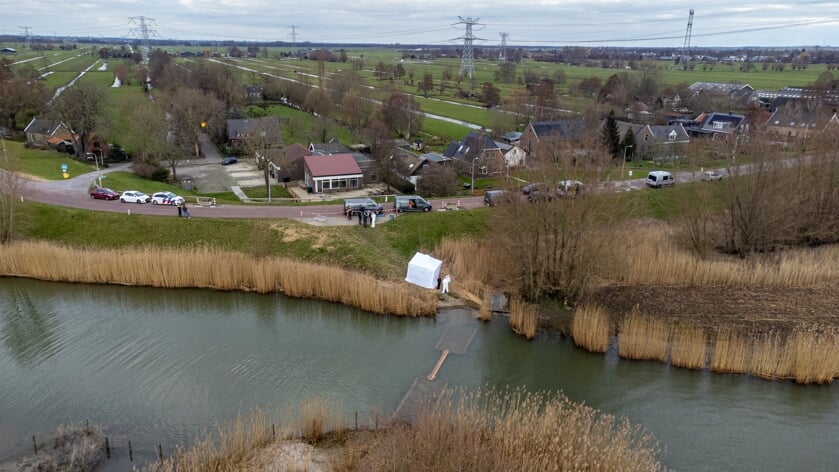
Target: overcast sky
<point>436,22</point>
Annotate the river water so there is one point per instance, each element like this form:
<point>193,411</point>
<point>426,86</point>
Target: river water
<point>161,366</point>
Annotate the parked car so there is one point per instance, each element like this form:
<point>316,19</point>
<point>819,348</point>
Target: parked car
<point>570,188</point>
<point>166,198</point>
<point>133,196</point>
<point>711,176</point>
<point>352,205</point>
<point>660,178</point>
<point>495,197</point>
<point>102,193</point>
<point>410,203</point>
<point>229,160</point>
<point>531,187</point>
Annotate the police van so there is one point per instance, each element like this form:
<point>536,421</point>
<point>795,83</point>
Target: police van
<point>410,203</point>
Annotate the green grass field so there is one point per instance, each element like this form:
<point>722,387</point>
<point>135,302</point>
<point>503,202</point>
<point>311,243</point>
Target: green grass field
<point>43,164</point>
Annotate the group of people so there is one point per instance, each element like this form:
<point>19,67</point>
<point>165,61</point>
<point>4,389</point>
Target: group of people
<point>365,217</point>
<point>183,211</point>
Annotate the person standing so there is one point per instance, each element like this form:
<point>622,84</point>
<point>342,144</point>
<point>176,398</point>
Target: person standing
<point>180,208</point>
<point>446,281</point>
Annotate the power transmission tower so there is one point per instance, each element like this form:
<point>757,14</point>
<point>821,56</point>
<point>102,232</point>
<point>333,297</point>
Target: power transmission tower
<point>293,34</point>
<point>685,58</point>
<point>467,60</point>
<point>143,31</point>
<point>26,33</point>
<point>503,56</point>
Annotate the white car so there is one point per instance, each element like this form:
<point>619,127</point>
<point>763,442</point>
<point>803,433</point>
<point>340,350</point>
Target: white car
<point>711,176</point>
<point>166,198</point>
<point>133,196</point>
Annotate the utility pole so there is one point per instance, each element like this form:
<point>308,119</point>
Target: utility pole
<point>293,34</point>
<point>26,34</point>
<point>467,60</point>
<point>685,58</point>
<point>143,31</point>
<point>503,56</point>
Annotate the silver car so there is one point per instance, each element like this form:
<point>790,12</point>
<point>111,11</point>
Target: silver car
<point>133,196</point>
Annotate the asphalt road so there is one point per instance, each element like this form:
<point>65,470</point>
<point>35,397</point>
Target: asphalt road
<point>73,193</point>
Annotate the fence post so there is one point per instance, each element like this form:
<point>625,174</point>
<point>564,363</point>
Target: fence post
<point>130,452</point>
<point>34,444</point>
<point>160,453</point>
<point>107,448</point>
<point>356,420</point>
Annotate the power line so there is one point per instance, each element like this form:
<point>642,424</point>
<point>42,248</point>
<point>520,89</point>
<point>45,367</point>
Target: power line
<point>685,58</point>
<point>467,59</point>
<point>143,31</point>
<point>26,32</point>
<point>502,57</point>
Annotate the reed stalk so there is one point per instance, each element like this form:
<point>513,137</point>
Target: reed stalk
<point>523,317</point>
<point>591,328</point>
<point>643,337</point>
<point>688,346</point>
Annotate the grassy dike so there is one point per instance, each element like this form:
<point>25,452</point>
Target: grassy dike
<point>330,263</point>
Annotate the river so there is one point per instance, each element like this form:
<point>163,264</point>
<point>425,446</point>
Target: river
<point>161,366</point>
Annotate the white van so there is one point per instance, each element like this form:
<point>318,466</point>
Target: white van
<point>660,178</point>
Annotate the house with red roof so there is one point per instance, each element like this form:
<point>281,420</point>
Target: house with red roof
<point>332,173</point>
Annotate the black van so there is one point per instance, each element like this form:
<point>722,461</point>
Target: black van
<point>352,205</point>
<point>494,197</point>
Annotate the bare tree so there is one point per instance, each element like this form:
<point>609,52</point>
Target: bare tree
<point>403,113</point>
<point>11,184</point>
<point>191,112</point>
<point>263,136</point>
<point>82,108</point>
<point>549,248</point>
<point>149,129</point>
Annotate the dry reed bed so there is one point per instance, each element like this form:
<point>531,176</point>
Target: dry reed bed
<point>507,430</point>
<point>204,267</point>
<point>523,317</point>
<point>653,259</point>
<point>227,450</point>
<point>805,355</point>
<point>471,267</point>
<point>591,328</point>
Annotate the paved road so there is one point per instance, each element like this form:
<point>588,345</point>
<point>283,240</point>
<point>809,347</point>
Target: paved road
<point>73,193</point>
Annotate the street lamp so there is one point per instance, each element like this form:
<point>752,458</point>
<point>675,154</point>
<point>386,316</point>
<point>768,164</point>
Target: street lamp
<point>623,163</point>
<point>472,188</point>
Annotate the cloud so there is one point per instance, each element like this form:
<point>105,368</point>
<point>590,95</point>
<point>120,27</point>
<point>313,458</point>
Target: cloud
<point>545,22</point>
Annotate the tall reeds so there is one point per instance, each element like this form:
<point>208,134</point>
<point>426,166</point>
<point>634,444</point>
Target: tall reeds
<point>204,267</point>
<point>228,450</point>
<point>503,431</point>
<point>688,347</point>
<point>523,317</point>
<point>643,337</point>
<point>653,259</point>
<point>472,264</point>
<point>805,355</point>
<point>591,328</point>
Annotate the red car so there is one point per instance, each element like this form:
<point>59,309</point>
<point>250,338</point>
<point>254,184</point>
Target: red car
<point>103,193</point>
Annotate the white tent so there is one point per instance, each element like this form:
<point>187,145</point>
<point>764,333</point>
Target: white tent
<point>423,270</point>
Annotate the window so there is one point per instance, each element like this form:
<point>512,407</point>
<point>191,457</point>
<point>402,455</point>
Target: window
<point>484,170</point>
<point>719,124</point>
<point>672,136</point>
